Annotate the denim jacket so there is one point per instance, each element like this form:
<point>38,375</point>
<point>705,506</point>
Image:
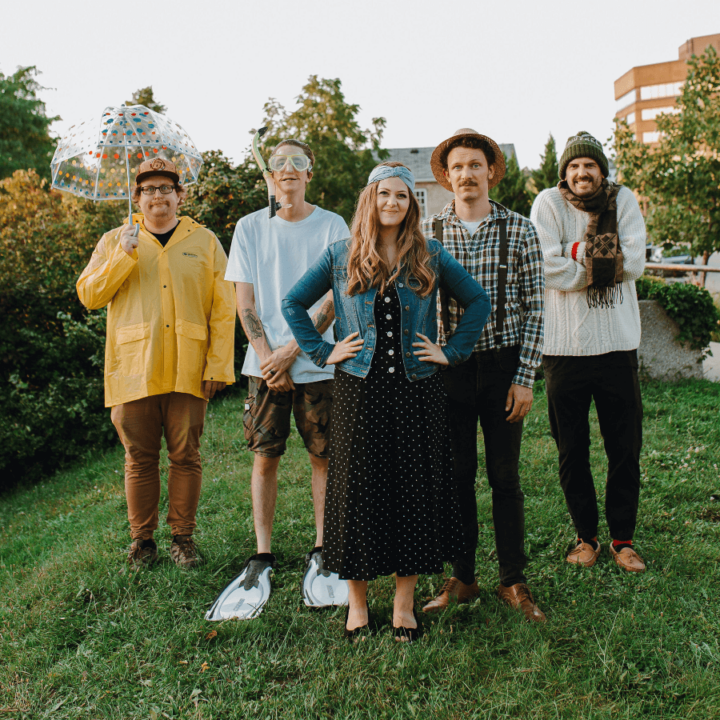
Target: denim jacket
<point>356,313</point>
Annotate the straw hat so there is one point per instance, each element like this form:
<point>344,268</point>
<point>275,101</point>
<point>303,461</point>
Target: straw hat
<point>437,167</point>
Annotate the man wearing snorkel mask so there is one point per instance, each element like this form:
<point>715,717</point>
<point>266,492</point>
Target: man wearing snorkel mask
<point>268,256</point>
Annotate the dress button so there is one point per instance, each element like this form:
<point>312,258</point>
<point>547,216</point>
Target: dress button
<point>407,307</point>
<point>407,354</point>
<point>414,377</point>
<point>388,317</point>
<point>400,285</point>
<point>387,299</point>
<point>406,332</point>
<point>391,369</point>
<point>391,351</point>
<point>389,333</point>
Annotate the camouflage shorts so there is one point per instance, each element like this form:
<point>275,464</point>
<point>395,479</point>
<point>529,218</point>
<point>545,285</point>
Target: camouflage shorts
<point>267,417</point>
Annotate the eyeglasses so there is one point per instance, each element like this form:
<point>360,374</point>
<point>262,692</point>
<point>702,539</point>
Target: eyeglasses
<point>300,162</point>
<point>150,189</point>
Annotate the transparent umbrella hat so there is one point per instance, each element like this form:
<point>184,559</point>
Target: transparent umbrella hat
<point>99,159</point>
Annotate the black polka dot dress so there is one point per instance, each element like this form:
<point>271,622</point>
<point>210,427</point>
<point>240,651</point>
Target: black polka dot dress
<point>390,507</point>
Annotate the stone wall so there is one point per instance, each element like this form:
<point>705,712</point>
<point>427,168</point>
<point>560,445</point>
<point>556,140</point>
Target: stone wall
<point>661,357</point>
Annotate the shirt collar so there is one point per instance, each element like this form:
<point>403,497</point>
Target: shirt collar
<point>497,212</point>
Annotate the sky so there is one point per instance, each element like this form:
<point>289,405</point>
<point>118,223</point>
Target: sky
<point>516,71</point>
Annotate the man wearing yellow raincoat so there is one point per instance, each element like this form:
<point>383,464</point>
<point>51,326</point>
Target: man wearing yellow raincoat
<point>169,348</point>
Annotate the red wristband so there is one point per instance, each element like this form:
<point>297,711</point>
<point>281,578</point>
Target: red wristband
<point>574,250</point>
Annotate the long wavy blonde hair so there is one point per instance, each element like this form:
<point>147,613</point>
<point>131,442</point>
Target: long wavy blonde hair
<point>366,266</point>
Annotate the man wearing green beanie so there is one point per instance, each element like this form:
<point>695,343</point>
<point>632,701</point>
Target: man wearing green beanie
<point>592,235</point>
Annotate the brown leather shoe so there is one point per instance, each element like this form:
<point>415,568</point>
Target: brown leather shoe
<point>628,559</point>
<point>520,597</point>
<point>453,590</point>
<point>583,554</point>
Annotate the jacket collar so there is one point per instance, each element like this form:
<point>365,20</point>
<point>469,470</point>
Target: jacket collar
<point>185,227</point>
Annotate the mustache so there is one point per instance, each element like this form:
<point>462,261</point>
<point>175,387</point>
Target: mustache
<point>468,183</point>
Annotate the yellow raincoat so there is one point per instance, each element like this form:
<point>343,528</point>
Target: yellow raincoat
<point>171,314</point>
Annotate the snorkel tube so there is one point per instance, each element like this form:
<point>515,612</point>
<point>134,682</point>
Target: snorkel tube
<point>273,206</point>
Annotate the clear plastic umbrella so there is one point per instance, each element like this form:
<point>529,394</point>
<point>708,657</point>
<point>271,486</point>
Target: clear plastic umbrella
<point>98,159</point>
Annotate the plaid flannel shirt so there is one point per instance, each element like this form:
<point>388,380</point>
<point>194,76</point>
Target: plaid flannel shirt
<point>525,289</point>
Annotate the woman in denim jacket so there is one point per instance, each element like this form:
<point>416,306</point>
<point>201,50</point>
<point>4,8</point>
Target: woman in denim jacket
<point>390,507</point>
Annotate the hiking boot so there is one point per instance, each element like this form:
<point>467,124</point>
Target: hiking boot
<point>453,590</point>
<point>184,552</point>
<point>143,553</point>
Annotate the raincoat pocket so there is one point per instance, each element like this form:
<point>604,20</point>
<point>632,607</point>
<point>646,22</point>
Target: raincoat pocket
<point>131,346</point>
<point>192,347</point>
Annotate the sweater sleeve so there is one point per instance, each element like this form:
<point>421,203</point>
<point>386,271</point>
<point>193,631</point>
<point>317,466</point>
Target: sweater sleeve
<point>561,271</point>
<point>632,235</point>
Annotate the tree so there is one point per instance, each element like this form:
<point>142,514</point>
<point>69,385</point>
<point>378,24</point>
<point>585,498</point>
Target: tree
<point>25,140</point>
<point>512,191</point>
<point>344,152</point>
<point>144,96</point>
<point>224,193</point>
<point>51,347</point>
<point>680,177</point>
<point>548,174</point>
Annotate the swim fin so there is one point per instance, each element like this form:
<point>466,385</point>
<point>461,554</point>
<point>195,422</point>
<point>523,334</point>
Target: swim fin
<point>245,596</point>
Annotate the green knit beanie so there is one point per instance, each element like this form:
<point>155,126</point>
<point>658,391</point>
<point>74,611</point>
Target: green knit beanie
<point>583,145</point>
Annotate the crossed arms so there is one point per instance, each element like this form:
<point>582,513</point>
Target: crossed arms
<point>275,364</point>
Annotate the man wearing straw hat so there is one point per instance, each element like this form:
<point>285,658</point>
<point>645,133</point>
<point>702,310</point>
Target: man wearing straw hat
<point>170,344</point>
<point>500,249</point>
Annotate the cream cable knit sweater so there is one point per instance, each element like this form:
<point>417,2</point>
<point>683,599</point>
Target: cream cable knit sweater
<point>571,327</point>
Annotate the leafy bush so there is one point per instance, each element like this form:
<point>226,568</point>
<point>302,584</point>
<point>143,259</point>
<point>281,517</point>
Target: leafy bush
<point>51,347</point>
<point>690,306</point>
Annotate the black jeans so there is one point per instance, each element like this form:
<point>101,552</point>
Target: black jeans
<point>611,380</point>
<point>478,389</point>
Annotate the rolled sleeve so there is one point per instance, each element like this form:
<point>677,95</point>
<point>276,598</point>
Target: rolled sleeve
<point>532,300</point>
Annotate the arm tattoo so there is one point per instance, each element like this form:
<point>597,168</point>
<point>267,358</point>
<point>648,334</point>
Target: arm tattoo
<point>324,316</point>
<point>252,324</point>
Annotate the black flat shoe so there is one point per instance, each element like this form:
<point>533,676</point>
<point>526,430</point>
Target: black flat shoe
<point>356,633</point>
<point>410,634</point>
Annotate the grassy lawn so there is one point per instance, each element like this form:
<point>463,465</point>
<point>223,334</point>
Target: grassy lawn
<point>81,637</point>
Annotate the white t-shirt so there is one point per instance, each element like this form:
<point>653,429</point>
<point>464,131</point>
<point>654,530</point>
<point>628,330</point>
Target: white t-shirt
<point>273,255</point>
<point>471,227</point>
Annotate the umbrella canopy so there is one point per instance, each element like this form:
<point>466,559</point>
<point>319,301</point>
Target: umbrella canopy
<point>99,159</point>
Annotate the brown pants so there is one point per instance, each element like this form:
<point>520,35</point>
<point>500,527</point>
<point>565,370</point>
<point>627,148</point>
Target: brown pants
<point>140,426</point>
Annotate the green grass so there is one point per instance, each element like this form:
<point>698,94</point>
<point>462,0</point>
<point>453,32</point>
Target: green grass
<point>81,637</point>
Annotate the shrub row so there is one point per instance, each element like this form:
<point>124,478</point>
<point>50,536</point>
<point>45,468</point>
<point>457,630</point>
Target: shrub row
<point>690,306</point>
<point>51,348</point>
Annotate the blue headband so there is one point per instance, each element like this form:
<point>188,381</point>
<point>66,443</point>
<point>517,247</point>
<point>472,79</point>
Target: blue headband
<point>383,172</point>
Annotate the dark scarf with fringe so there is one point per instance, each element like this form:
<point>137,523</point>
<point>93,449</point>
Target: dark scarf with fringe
<point>603,256</point>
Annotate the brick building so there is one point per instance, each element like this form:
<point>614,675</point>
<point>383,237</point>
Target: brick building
<point>646,91</point>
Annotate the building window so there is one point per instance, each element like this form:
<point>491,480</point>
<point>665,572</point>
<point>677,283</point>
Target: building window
<point>652,113</point>
<point>650,92</point>
<point>630,118</point>
<point>421,195</point>
<point>625,100</point>
<point>651,137</point>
